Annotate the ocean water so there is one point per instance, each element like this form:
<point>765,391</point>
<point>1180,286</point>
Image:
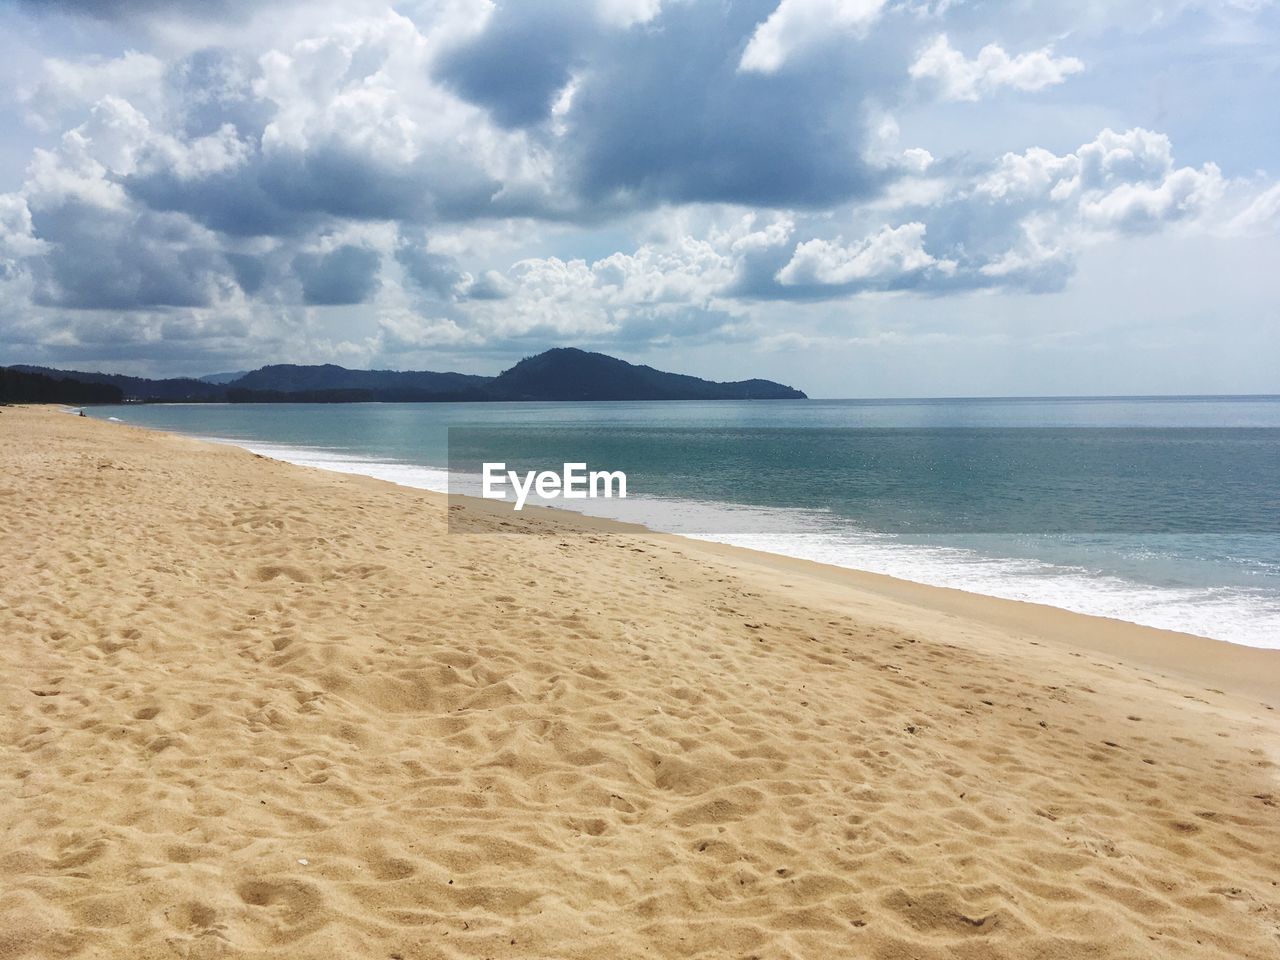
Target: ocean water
<point>1161,511</point>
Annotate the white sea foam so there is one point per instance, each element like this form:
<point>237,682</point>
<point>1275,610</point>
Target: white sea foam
<point>1238,615</point>
<point>405,474</point>
<point>1225,613</point>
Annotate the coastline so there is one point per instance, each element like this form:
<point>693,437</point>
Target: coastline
<point>1220,584</point>
<point>1254,671</point>
<point>1157,646</point>
<point>257,710</point>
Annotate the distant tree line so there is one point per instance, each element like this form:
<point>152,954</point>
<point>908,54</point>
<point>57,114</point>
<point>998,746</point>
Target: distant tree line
<point>19,387</point>
<point>563,373</point>
<point>242,395</point>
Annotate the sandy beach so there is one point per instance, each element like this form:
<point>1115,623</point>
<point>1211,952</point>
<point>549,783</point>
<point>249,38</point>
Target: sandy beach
<point>249,709</point>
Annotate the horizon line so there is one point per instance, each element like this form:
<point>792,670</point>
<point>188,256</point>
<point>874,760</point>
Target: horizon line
<point>879,399</point>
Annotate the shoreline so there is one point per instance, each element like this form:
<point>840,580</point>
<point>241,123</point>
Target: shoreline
<point>1156,647</point>
<point>253,710</point>
<point>1251,670</point>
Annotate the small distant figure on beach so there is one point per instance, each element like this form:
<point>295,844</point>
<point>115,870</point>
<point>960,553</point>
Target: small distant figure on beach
<point>82,413</point>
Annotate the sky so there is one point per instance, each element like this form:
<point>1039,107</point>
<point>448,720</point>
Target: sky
<point>860,198</point>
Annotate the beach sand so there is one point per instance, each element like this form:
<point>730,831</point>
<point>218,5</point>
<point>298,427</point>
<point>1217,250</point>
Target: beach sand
<point>253,710</point>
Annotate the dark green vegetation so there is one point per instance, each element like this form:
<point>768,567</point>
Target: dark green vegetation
<point>564,373</point>
<point>138,388</point>
<point>17,386</point>
<point>568,374</point>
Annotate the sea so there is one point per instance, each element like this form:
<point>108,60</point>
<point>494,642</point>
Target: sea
<point>1162,511</point>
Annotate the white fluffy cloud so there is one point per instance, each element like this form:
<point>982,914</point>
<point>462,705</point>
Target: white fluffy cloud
<point>404,331</point>
<point>797,23</point>
<point>1261,216</point>
<point>17,236</point>
<point>1125,182</point>
<point>626,13</point>
<point>887,255</point>
<point>605,296</point>
<point>1115,185</point>
<point>1021,223</point>
<point>66,86</point>
<point>358,180</point>
<point>961,78</point>
<point>678,284</point>
<point>1145,205</point>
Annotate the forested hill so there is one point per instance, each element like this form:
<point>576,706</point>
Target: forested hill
<point>564,373</point>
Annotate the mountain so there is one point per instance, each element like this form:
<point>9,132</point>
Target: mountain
<point>138,388</point>
<point>17,386</point>
<point>292,378</point>
<point>567,373</point>
<point>222,377</point>
<point>564,373</point>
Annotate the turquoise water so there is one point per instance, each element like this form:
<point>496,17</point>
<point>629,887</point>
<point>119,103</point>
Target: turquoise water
<point>1154,510</point>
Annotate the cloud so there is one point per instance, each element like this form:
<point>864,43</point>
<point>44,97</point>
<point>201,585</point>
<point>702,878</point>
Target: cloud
<point>432,272</point>
<point>130,9</point>
<point>797,24</point>
<point>665,116</point>
<point>345,275</point>
<point>283,138</point>
<point>1039,259</point>
<point>1124,182</point>
<point>1020,223</point>
<point>113,260</point>
<point>1114,158</point>
<point>87,247</point>
<point>490,285</point>
<point>1036,171</point>
<point>338,181</point>
<point>1142,206</point>
<point>627,13</point>
<point>66,86</point>
<point>250,271</point>
<point>883,259</point>
<point>332,128</point>
<point>212,88</point>
<point>403,331</point>
<point>672,288</point>
<point>521,61</point>
<point>959,78</point>
<point>17,231</point>
<point>1261,216</point>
